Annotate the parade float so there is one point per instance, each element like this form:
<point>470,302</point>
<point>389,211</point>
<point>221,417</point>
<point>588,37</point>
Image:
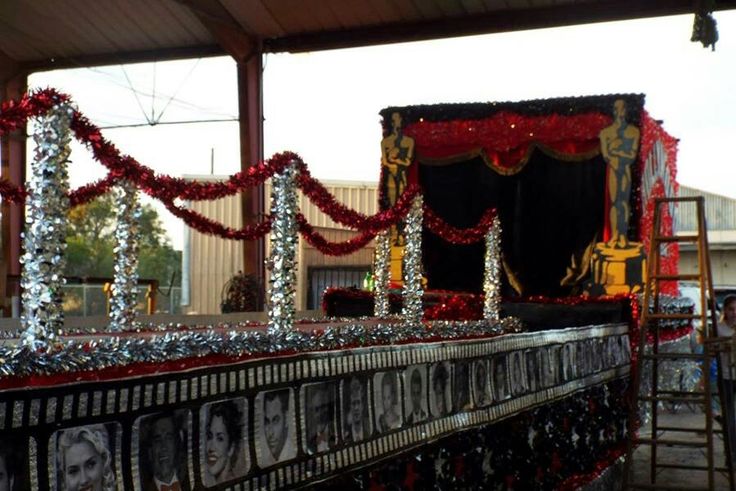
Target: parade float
<point>453,393</point>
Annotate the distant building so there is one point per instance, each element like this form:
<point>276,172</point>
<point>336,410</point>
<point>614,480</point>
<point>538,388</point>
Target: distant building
<point>212,261</point>
<point>720,217</point>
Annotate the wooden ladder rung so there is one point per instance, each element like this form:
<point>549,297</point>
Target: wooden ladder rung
<point>677,238</point>
<point>687,430</point>
<point>665,486</point>
<point>662,315</point>
<point>690,467</point>
<point>675,277</point>
<point>673,356</point>
<point>673,399</point>
<point>671,443</point>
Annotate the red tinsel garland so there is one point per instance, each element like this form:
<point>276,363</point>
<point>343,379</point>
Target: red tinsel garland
<point>205,225</point>
<point>505,137</point>
<point>458,235</point>
<point>660,170</point>
<point>332,248</point>
<point>343,215</point>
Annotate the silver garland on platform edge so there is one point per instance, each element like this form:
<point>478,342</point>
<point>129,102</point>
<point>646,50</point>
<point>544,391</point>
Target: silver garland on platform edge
<point>284,242</point>
<point>412,292</point>
<point>44,239</point>
<point>492,272</point>
<point>127,236</point>
<point>116,351</point>
<point>382,270</point>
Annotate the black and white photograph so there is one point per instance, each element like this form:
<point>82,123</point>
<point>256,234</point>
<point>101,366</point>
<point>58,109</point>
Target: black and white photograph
<point>85,457</point>
<point>319,405</point>
<point>415,398</point>
<point>387,400</point>
<point>518,376</point>
<point>162,450</point>
<point>356,423</point>
<point>568,362</point>
<point>481,383</point>
<point>549,365</point>
<point>613,351</point>
<point>276,426</point>
<point>223,441</point>
<point>531,357</point>
<point>598,354</point>
<point>461,386</point>
<point>625,348</point>
<point>440,400</point>
<point>501,389</point>
<point>582,358</point>
<point>13,464</point>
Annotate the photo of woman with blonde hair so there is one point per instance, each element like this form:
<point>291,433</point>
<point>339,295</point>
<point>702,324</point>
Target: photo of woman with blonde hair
<point>84,461</point>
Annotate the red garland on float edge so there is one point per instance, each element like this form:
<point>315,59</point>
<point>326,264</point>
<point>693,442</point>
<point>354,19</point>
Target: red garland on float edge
<point>166,188</point>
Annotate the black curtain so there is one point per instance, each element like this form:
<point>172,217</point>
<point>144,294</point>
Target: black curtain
<point>549,211</point>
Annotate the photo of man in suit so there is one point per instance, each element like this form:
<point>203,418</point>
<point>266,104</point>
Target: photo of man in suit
<point>356,421</point>
<point>461,387</point>
<point>416,400</point>
<point>481,392</point>
<point>320,417</point>
<point>532,370</point>
<point>276,440</point>
<point>162,452</point>
<point>518,378</point>
<point>500,378</point>
<point>440,400</point>
<point>388,402</point>
<point>12,461</point>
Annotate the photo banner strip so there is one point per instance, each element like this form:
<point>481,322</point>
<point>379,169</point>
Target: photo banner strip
<point>483,382</point>
<point>284,242</point>
<point>127,237</point>
<point>44,240</point>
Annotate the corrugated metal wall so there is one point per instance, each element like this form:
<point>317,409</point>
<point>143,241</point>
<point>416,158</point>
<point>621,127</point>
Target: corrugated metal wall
<point>213,261</point>
<point>720,211</point>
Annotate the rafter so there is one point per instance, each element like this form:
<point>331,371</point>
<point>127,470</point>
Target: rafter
<point>228,33</point>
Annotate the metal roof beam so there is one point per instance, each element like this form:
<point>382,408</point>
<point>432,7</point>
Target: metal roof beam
<point>229,34</point>
<point>122,58</point>
<point>493,22</point>
<point>9,68</point>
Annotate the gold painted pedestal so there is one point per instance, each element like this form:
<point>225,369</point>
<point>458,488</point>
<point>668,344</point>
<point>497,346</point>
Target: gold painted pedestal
<point>619,270</point>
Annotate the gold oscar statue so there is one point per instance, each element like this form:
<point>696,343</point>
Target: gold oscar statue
<point>397,153</point>
<point>619,266</point>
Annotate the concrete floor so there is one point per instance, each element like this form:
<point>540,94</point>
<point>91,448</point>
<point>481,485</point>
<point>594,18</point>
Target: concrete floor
<point>681,479</point>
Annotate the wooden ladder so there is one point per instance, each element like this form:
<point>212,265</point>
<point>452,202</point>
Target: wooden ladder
<point>650,326</point>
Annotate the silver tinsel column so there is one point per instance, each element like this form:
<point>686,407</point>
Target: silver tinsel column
<point>412,293</point>
<point>282,261</point>
<point>381,268</point>
<point>492,273</point>
<point>44,239</point>
<point>127,235</point>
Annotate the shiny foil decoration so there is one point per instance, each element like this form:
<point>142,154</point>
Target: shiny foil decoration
<point>412,292</point>
<point>44,238</point>
<point>284,242</point>
<point>381,271</point>
<point>127,236</point>
<point>234,340</point>
<point>492,272</point>
<point>672,375</point>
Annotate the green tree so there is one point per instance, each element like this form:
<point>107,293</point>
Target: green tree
<point>91,242</point>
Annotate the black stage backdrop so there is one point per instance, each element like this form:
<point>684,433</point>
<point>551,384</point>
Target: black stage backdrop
<point>549,210</point>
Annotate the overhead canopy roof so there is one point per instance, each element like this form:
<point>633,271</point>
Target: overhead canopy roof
<point>47,34</point>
